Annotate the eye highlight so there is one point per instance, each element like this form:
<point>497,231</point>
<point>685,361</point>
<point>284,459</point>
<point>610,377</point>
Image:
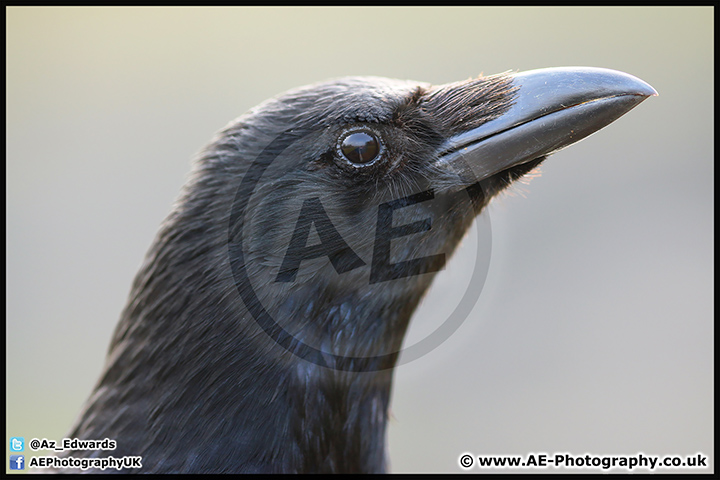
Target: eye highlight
<point>360,147</point>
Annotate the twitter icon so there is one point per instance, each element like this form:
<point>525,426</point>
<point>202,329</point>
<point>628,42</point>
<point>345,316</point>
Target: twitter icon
<point>17,444</point>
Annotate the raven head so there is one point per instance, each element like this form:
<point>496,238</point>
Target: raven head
<point>350,194</point>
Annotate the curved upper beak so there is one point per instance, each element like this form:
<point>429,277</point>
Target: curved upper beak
<point>553,108</point>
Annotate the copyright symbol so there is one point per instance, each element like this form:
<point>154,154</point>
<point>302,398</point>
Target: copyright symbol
<point>466,460</point>
<point>34,444</point>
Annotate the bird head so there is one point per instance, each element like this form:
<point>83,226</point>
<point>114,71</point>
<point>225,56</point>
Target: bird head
<point>344,198</point>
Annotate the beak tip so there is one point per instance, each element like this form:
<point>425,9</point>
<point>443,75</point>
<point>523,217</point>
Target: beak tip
<point>645,89</point>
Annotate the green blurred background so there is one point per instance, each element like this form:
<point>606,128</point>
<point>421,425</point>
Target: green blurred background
<point>594,332</point>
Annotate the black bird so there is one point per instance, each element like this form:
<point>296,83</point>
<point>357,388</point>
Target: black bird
<point>263,327</point>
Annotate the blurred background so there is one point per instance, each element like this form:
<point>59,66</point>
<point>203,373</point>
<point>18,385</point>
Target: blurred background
<point>594,330</point>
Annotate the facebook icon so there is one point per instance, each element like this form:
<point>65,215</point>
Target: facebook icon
<point>17,462</point>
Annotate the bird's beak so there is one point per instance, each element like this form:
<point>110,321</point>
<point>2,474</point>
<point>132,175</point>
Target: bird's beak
<point>553,108</point>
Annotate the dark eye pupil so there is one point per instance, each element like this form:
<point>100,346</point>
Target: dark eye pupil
<point>360,147</point>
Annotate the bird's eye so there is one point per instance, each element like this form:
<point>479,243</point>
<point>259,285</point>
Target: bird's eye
<point>360,148</point>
